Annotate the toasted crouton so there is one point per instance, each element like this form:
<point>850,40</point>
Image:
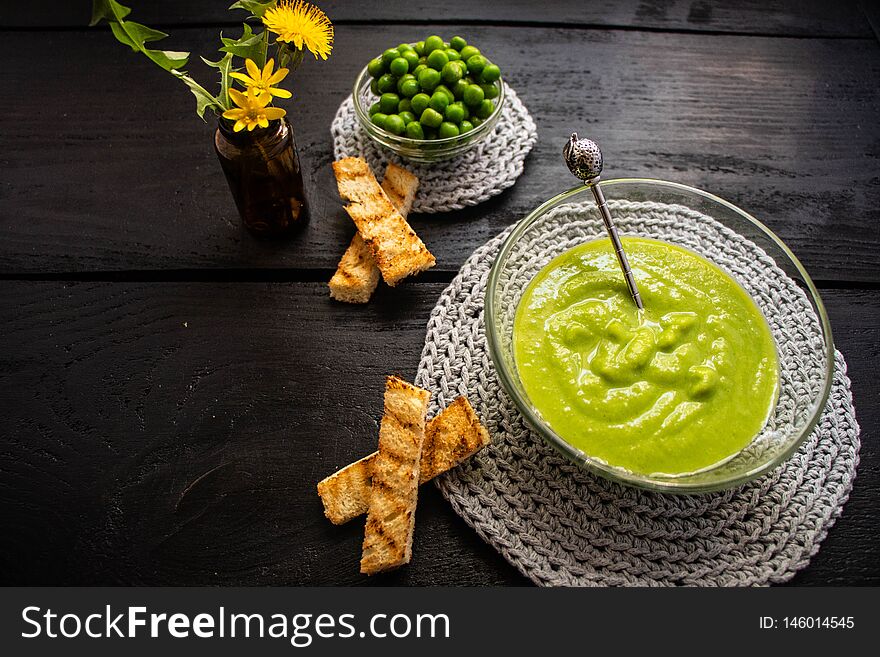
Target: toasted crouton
<point>395,480</point>
<point>452,436</point>
<point>346,493</point>
<point>400,186</point>
<point>357,275</point>
<point>396,248</point>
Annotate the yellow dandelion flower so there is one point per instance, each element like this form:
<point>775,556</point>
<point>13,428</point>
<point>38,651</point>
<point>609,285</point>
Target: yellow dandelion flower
<point>251,111</point>
<point>301,24</point>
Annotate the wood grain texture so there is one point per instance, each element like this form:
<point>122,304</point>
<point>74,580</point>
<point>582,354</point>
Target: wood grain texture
<point>782,17</point>
<point>871,11</point>
<point>107,168</point>
<point>173,433</point>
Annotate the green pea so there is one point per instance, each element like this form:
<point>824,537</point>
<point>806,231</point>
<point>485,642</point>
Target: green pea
<point>465,126</point>
<point>428,79</point>
<point>387,84</point>
<point>423,60</point>
<point>458,89</point>
<point>403,78</point>
<point>394,124</point>
<point>388,103</point>
<point>476,121</point>
<point>420,103</point>
<point>379,119</point>
<point>473,95</point>
<point>419,48</point>
<point>469,51</point>
<point>414,130</point>
<point>447,130</point>
<point>437,60</point>
<point>431,118</point>
<point>490,91</point>
<point>452,54</point>
<point>405,105</point>
<point>398,66</point>
<point>433,43</point>
<point>457,42</point>
<point>439,101</point>
<point>464,109</point>
<point>408,117</point>
<point>375,107</point>
<point>390,55</point>
<point>445,90</point>
<point>411,58</point>
<point>409,88</point>
<point>374,87</point>
<point>454,113</point>
<point>490,73</point>
<point>418,69</point>
<point>403,47</point>
<point>376,67</point>
<point>476,64</point>
<point>485,109</point>
<point>451,73</point>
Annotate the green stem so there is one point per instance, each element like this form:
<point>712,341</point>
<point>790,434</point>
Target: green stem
<point>295,60</point>
<point>265,49</point>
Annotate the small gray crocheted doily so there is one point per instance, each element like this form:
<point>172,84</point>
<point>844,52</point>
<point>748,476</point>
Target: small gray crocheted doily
<point>487,169</point>
<point>561,525</point>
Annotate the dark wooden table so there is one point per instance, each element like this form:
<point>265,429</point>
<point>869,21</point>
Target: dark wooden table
<point>171,389</point>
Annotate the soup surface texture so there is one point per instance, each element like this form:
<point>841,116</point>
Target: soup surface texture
<point>676,388</point>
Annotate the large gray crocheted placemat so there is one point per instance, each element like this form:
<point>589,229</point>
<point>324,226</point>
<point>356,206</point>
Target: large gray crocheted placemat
<point>487,169</point>
<point>561,525</point>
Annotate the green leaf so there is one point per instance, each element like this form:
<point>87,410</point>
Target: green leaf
<point>224,64</point>
<point>109,10</point>
<point>134,35</point>
<point>248,46</point>
<point>204,99</point>
<point>256,7</point>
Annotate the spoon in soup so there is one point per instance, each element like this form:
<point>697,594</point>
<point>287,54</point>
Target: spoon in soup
<point>584,160</point>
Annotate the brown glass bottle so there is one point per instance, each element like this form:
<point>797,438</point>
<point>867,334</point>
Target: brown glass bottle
<point>263,172</point>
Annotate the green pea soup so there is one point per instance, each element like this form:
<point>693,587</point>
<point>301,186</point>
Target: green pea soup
<point>678,387</point>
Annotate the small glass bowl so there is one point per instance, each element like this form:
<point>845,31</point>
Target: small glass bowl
<point>799,326</point>
<point>420,150</point>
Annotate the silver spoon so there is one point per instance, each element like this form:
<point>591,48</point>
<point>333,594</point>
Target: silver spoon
<point>584,160</point>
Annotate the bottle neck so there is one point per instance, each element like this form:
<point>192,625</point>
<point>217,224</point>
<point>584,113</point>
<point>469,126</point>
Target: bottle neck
<point>276,131</point>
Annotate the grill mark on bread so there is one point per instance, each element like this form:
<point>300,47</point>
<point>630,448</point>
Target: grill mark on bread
<point>389,540</point>
<point>395,473</point>
<point>396,248</point>
<point>347,493</point>
<point>358,274</point>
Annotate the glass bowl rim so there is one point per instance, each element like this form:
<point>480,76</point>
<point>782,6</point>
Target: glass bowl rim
<point>647,482</point>
<point>436,144</point>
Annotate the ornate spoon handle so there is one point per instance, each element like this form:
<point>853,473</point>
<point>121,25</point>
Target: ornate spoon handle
<point>584,160</point>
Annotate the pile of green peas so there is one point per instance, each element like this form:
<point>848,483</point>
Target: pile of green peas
<point>432,89</point>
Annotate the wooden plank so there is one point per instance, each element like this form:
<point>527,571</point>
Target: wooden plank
<point>173,433</point>
<point>787,17</point>
<point>107,168</point>
<point>872,15</point>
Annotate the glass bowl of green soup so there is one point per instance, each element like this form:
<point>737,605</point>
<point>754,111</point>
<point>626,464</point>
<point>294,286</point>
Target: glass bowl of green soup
<point>716,382</point>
